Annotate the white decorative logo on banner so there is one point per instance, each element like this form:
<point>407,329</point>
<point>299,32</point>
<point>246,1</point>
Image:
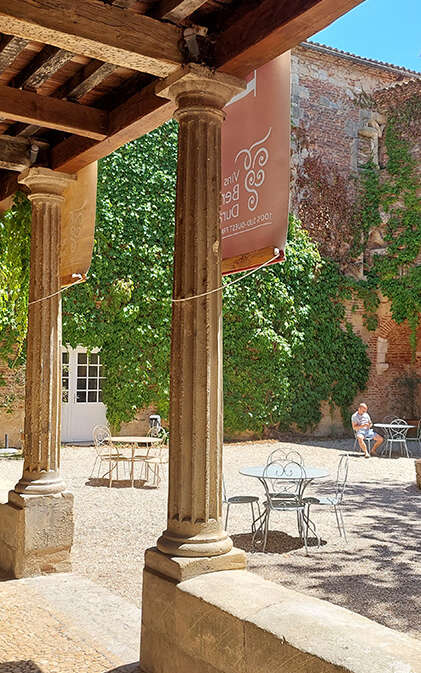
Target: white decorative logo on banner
<point>255,158</point>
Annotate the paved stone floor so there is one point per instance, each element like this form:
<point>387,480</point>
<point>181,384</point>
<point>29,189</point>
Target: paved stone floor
<point>66,624</point>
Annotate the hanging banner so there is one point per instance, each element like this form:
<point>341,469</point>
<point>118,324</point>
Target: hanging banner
<point>255,169</point>
<point>78,225</point>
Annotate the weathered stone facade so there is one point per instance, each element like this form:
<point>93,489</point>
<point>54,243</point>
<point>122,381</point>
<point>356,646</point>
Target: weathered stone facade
<point>339,110</point>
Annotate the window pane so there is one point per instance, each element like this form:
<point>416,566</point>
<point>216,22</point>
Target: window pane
<point>82,358</point>
<point>65,396</point>
<point>65,358</point>
<point>100,396</point>
<point>65,384</point>
<point>65,370</point>
<point>92,384</point>
<point>80,396</point>
<point>81,370</point>
<point>92,396</point>
<point>93,358</point>
<point>93,371</point>
<point>81,384</point>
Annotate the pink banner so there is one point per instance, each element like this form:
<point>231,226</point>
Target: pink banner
<point>255,168</point>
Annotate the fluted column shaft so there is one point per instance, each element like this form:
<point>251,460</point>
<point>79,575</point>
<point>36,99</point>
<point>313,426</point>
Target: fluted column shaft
<point>194,526</point>
<point>41,471</point>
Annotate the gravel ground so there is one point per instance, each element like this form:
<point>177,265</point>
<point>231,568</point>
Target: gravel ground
<point>375,574</point>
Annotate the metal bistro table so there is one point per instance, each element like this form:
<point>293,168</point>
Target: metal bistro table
<point>135,442</point>
<point>395,434</point>
<point>294,474</point>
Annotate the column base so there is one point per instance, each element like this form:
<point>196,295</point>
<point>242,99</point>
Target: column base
<point>44,482</point>
<point>36,534</point>
<point>182,568</point>
<point>199,546</point>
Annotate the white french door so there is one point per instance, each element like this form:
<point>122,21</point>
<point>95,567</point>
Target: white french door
<point>82,407</point>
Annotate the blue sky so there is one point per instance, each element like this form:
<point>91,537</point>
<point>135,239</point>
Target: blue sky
<point>385,30</point>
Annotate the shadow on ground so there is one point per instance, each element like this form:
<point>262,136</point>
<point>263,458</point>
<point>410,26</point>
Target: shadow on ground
<point>379,576</point>
<point>24,666</point>
<point>278,542</point>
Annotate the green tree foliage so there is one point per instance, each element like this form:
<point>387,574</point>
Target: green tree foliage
<point>15,228</point>
<point>287,346</point>
<point>125,307</point>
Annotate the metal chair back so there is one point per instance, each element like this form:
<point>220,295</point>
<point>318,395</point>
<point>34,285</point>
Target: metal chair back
<point>285,455</point>
<point>398,434</point>
<point>341,478</point>
<point>283,480</point>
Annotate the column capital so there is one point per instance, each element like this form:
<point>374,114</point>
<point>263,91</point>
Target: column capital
<point>194,85</point>
<point>45,183</point>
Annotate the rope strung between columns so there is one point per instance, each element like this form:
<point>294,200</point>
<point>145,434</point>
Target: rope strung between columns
<point>81,279</point>
<point>233,282</point>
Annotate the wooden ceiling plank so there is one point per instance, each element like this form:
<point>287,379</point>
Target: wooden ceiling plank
<point>176,10</point>
<point>100,73</point>
<point>270,29</point>
<point>15,153</point>
<point>32,108</point>
<point>140,114</point>
<point>100,31</point>
<point>10,48</point>
<point>41,68</point>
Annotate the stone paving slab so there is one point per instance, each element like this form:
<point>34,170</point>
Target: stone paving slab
<point>66,624</point>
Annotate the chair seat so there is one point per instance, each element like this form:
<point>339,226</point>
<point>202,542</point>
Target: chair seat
<point>321,501</point>
<point>284,505</point>
<point>242,499</point>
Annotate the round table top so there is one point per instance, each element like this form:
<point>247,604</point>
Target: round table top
<point>397,426</point>
<point>135,440</point>
<point>274,472</point>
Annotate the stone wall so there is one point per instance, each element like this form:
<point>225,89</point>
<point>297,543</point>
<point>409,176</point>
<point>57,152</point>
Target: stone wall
<point>339,109</point>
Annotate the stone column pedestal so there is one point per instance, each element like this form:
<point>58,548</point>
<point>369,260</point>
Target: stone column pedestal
<point>194,541</point>
<point>36,525</point>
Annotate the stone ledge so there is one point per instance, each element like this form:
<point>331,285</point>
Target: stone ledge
<point>182,568</point>
<point>237,622</point>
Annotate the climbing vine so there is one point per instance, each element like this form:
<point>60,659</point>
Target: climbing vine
<point>394,272</point>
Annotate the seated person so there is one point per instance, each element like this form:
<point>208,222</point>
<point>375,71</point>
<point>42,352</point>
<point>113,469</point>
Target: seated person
<point>362,426</point>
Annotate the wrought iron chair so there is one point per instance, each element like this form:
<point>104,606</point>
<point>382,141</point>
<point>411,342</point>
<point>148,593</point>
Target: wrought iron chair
<point>334,501</point>
<point>157,457</point>
<point>285,455</point>
<point>417,437</point>
<point>284,482</point>
<point>397,436</point>
<point>106,453</point>
<point>240,500</point>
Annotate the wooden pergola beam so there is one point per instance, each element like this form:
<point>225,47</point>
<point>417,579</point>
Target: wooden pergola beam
<point>140,114</point>
<point>31,108</point>
<point>96,30</point>
<point>271,28</point>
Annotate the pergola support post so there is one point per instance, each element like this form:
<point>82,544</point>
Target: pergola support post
<point>36,525</point>
<point>194,541</point>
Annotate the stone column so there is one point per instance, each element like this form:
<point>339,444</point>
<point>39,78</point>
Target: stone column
<point>194,525</point>
<point>41,472</point>
<point>36,526</point>
<point>194,542</point>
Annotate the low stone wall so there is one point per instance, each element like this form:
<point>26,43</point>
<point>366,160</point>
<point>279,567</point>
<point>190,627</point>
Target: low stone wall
<point>236,622</point>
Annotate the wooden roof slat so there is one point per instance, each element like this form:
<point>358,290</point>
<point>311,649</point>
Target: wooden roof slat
<point>85,80</point>
<point>140,114</point>
<point>41,68</point>
<point>176,10</point>
<point>32,108</point>
<point>10,48</point>
<point>100,31</point>
<point>270,29</point>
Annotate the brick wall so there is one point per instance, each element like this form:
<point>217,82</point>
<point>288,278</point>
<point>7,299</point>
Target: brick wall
<point>330,121</point>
